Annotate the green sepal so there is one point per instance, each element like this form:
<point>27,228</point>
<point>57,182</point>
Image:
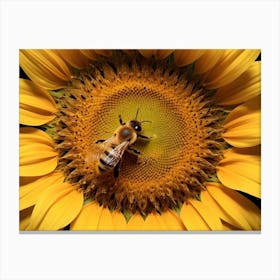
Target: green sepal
<point>213,179</point>
<point>197,196</point>
<point>87,201</point>
<point>57,94</point>
<point>49,128</point>
<point>177,208</point>
<point>127,214</point>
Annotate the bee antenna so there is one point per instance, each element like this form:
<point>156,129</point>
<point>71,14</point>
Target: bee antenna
<point>137,113</point>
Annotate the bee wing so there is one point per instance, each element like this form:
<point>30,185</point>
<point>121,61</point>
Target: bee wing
<point>104,145</point>
<point>109,140</point>
<point>116,154</point>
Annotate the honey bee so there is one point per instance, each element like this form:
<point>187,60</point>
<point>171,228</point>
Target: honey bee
<point>114,147</point>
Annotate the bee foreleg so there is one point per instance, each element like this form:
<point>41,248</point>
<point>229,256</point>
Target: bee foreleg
<point>116,170</point>
<point>134,150</point>
<point>144,137</point>
<point>100,141</point>
<point>121,121</point>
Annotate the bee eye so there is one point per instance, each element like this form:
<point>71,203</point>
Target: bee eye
<point>137,128</point>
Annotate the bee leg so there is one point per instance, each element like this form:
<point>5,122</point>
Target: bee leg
<point>121,121</point>
<point>116,170</point>
<point>134,150</point>
<point>100,141</point>
<point>144,137</point>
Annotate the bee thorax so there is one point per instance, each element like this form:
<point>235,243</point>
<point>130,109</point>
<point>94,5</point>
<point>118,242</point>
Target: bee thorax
<point>125,134</point>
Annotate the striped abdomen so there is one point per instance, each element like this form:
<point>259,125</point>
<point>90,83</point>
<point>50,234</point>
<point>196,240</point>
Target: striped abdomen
<point>111,157</point>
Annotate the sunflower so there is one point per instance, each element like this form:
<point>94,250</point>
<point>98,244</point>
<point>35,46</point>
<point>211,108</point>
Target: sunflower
<point>195,161</point>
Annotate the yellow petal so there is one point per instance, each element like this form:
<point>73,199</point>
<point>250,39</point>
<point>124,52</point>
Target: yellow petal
<point>56,207</point>
<point>242,127</point>
<point>192,219</point>
<point>185,57</point>
<point>244,88</point>
<point>118,220</point>
<point>36,105</point>
<point>148,53</point>
<point>105,221</point>
<point>104,52</point>
<point>75,58</point>
<point>37,154</point>
<point>241,170</point>
<point>30,192</point>
<point>172,220</point>
<point>91,54</point>
<point>232,65</point>
<point>111,220</point>
<point>88,217</point>
<point>208,200</point>
<point>24,218</point>
<point>208,60</point>
<point>162,54</point>
<point>95,217</point>
<point>130,52</point>
<point>136,222</point>
<point>208,215</point>
<point>154,221</point>
<point>228,56</point>
<point>229,205</point>
<point>239,208</point>
<point>94,54</point>
<point>227,226</point>
<point>45,68</point>
<point>158,54</point>
<point>247,208</point>
<point>167,220</point>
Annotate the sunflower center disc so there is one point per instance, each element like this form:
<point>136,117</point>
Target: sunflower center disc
<point>183,126</point>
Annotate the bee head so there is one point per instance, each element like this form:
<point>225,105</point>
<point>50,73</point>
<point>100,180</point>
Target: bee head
<point>136,125</point>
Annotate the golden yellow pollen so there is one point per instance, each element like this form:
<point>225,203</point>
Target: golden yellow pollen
<point>184,130</point>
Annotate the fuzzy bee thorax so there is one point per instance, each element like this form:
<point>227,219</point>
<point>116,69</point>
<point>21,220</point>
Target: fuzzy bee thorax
<point>126,133</point>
